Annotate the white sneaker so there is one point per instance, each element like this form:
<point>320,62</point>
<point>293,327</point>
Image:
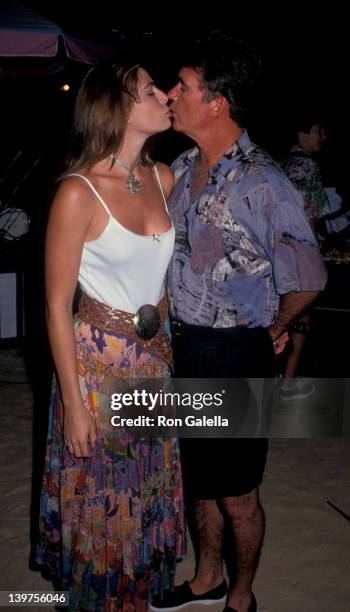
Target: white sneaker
<point>301,389</point>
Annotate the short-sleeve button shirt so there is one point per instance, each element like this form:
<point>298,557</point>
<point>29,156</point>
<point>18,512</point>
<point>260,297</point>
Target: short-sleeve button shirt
<point>241,243</point>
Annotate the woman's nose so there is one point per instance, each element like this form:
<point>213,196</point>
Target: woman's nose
<point>162,96</point>
<point>172,93</point>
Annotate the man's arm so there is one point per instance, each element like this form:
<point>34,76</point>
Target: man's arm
<point>292,305</point>
<point>299,272</point>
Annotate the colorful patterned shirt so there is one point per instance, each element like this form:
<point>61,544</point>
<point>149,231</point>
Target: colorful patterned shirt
<point>305,174</point>
<point>240,243</point>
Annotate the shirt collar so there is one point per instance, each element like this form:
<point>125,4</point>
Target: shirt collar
<point>298,149</point>
<point>241,145</point>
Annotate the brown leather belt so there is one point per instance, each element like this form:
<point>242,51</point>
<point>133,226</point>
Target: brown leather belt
<point>146,327</point>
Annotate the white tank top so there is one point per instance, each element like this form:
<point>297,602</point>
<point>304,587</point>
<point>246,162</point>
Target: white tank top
<point>122,269</point>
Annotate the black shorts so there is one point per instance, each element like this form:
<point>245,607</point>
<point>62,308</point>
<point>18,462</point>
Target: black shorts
<point>225,467</point>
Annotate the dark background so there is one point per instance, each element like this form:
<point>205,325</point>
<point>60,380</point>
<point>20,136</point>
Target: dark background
<point>304,52</point>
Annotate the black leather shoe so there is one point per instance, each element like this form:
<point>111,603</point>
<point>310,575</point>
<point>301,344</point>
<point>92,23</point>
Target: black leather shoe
<point>183,595</point>
<point>252,608</point>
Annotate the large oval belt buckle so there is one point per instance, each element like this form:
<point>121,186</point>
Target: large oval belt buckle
<point>146,321</point>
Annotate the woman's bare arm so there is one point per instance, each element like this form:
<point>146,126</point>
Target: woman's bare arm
<point>69,220</point>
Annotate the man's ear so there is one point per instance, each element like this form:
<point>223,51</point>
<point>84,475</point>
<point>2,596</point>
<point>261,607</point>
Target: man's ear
<point>218,106</point>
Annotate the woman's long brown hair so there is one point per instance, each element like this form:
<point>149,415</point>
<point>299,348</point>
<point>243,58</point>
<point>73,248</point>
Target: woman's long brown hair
<point>100,116</point>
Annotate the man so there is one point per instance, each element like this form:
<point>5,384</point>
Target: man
<point>245,264</point>
<point>303,170</point>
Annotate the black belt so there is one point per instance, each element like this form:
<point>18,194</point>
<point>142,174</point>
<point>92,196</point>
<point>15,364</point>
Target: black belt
<point>201,332</point>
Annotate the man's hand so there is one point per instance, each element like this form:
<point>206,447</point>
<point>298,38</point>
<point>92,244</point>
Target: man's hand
<point>292,305</point>
<point>280,343</point>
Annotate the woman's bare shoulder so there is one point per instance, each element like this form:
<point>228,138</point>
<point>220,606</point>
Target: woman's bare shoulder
<point>74,194</point>
<point>166,177</point>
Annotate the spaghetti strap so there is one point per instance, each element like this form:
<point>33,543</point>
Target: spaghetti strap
<point>160,185</point>
<point>94,190</point>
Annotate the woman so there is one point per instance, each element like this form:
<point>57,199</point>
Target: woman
<point>111,518</point>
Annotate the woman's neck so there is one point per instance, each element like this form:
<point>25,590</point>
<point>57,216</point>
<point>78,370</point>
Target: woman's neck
<point>130,151</point>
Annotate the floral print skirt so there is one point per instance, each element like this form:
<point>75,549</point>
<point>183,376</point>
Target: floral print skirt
<point>111,525</point>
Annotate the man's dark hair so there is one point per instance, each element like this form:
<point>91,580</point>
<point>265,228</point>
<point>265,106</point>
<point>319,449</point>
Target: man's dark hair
<point>305,118</point>
<point>228,68</point>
